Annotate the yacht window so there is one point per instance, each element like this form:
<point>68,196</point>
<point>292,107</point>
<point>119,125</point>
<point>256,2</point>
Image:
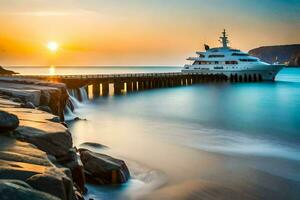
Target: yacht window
<point>234,50</point>
<point>233,62</point>
<point>218,68</point>
<point>216,56</point>
<point>240,54</point>
<point>248,60</point>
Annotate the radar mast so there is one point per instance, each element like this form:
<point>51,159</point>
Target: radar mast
<point>224,39</point>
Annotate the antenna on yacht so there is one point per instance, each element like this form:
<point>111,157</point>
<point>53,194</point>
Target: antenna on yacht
<point>224,39</point>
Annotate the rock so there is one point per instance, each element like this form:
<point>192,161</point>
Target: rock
<point>278,53</point>
<point>76,119</point>
<point>55,119</point>
<point>28,105</point>
<point>45,98</point>
<point>40,93</point>
<point>93,144</point>
<point>45,108</point>
<point>103,169</point>
<point>23,161</point>
<point>64,124</point>
<point>44,178</point>
<point>56,142</point>
<point>36,128</point>
<point>78,195</point>
<point>58,186</point>
<point>6,72</point>
<point>70,105</point>
<point>16,99</point>
<point>19,190</point>
<point>77,170</point>
<point>8,122</point>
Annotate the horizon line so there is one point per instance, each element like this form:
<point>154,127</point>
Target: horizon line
<point>70,66</point>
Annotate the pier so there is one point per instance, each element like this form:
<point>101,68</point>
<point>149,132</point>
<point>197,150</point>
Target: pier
<point>102,84</point>
<point>105,84</point>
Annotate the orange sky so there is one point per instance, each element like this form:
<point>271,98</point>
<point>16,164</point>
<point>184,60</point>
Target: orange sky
<point>132,32</point>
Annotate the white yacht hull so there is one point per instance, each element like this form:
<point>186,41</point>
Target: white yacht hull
<point>254,72</point>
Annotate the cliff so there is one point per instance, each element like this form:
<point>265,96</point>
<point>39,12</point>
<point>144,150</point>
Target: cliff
<point>6,72</point>
<point>46,96</point>
<point>284,54</point>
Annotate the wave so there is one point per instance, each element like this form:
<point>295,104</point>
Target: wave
<point>230,142</point>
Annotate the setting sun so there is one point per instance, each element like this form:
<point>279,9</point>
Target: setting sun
<point>52,46</point>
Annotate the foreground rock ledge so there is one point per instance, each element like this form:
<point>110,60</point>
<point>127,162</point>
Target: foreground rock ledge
<point>103,169</point>
<point>47,96</point>
<point>14,189</point>
<point>40,165</point>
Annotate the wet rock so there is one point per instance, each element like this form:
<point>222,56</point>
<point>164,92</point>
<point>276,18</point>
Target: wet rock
<point>45,108</point>
<point>76,167</point>
<point>93,144</point>
<point>50,138</point>
<point>28,105</point>
<point>70,105</point>
<point>45,98</point>
<point>15,190</point>
<point>55,119</point>
<point>64,124</point>
<point>16,99</point>
<point>103,169</point>
<point>8,122</point>
<point>76,119</point>
<point>23,161</point>
<point>59,186</point>
<point>49,184</point>
<point>78,195</point>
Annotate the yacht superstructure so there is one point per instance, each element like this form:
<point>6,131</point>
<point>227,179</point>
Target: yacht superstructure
<point>233,63</point>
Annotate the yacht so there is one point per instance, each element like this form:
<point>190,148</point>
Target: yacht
<point>235,64</point>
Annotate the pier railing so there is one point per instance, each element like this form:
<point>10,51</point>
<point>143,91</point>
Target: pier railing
<point>95,76</point>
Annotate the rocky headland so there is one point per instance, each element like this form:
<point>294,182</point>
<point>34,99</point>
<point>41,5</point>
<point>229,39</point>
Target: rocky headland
<point>37,156</point>
<point>6,72</point>
<point>284,54</point>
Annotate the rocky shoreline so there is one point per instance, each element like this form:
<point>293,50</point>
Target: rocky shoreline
<point>37,156</point>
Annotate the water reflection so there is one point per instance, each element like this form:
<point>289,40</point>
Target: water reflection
<point>52,70</point>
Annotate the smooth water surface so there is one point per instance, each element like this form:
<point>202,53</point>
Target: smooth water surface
<point>59,70</point>
<point>173,135</point>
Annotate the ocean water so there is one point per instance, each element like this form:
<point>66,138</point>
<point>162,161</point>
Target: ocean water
<point>220,133</point>
<point>58,70</point>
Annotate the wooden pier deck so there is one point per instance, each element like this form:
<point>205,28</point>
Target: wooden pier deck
<point>129,82</point>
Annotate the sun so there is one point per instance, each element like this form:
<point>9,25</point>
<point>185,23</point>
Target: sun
<point>52,46</point>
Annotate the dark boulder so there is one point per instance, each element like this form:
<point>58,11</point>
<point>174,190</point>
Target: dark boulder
<point>76,167</point>
<point>103,169</point>
<point>16,99</point>
<point>28,105</point>
<point>55,119</point>
<point>49,184</point>
<point>45,98</point>
<point>45,108</point>
<point>19,190</point>
<point>8,122</point>
<point>93,144</point>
